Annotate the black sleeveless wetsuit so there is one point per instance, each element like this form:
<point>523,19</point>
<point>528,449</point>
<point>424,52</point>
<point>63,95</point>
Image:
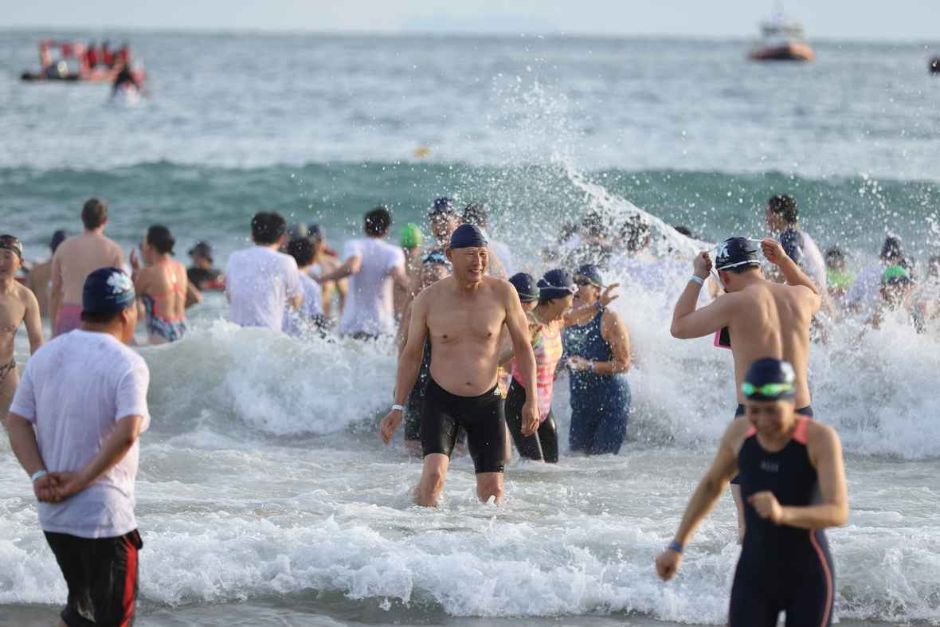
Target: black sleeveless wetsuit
<point>782,568</point>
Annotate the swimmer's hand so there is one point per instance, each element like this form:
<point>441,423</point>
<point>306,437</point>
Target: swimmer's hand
<point>45,489</point>
<point>389,424</point>
<point>67,484</point>
<point>530,418</point>
<point>667,564</point>
<point>767,506</point>
<point>702,265</point>
<point>773,250</point>
<point>578,364</point>
<point>607,297</point>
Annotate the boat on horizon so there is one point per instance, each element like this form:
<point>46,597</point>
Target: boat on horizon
<point>782,39</point>
<point>76,62</point>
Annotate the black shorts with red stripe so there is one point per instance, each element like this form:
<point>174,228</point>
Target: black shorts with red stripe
<point>101,574</point>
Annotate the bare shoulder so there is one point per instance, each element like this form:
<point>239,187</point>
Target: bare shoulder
<point>432,293</point>
<point>502,287</point>
<point>821,435</point>
<point>735,434</point>
<point>25,295</point>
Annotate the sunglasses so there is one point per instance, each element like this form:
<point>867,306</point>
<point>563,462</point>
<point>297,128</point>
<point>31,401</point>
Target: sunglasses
<point>768,389</point>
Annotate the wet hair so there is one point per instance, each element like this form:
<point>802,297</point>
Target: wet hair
<point>267,227</point>
<point>891,250</point>
<point>476,214</point>
<point>301,249</point>
<point>784,205</point>
<point>57,238</point>
<point>94,213</point>
<point>684,230</point>
<point>377,222</point>
<point>835,254</point>
<point>160,238</point>
<point>635,232</point>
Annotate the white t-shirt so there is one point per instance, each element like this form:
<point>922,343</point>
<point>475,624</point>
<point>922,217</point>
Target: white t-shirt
<point>369,306</point>
<point>259,281</point>
<point>865,293</point>
<point>73,391</point>
<point>295,322</point>
<point>804,251</point>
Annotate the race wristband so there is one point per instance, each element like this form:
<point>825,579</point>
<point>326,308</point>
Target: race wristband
<point>675,546</point>
<point>697,279</point>
<point>400,408</point>
<point>39,474</point>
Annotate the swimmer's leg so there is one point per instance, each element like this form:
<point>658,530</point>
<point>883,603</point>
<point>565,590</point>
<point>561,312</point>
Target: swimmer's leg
<point>610,433</point>
<point>749,605</point>
<point>490,485</point>
<point>527,445</point>
<point>548,438</point>
<point>8,385</point>
<point>433,476</point>
<point>812,600</point>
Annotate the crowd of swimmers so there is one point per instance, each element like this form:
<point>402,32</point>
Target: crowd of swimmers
<point>480,347</point>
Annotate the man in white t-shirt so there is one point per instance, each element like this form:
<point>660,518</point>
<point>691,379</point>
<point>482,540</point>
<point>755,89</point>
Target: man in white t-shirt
<point>260,282</point>
<point>74,427</point>
<point>374,266</point>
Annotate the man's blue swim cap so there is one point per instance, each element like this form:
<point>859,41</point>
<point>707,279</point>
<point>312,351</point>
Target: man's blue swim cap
<point>467,236</point>
<point>556,284</point>
<point>735,252</point>
<point>769,380</point>
<point>526,287</point>
<point>107,291</point>
<point>591,273</point>
<point>443,206</point>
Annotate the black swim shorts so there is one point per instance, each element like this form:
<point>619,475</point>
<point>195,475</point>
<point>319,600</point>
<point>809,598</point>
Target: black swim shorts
<point>480,416</point>
<point>101,575</point>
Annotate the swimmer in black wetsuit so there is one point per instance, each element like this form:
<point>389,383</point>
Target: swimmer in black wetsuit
<point>793,481</point>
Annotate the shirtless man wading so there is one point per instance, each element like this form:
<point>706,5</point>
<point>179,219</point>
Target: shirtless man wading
<point>764,319</point>
<point>463,316</point>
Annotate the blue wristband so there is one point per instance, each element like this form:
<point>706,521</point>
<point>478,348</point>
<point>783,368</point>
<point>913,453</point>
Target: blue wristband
<point>675,546</point>
<point>39,474</point>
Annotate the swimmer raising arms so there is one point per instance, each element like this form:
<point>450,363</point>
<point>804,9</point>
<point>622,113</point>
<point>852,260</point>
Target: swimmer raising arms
<point>463,316</point>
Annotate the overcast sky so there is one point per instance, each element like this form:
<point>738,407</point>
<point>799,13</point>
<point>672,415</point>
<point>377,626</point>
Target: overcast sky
<point>903,20</point>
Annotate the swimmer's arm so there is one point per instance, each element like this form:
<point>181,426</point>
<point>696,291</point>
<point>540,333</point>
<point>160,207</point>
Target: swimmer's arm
<point>711,486</point>
<point>826,454</point>
<point>23,442</point>
<point>409,360</point>
<point>402,337</point>
<point>401,278</point>
<point>689,322</point>
<point>33,322</point>
<point>55,290</point>
<point>791,271</point>
<point>350,266</point>
<point>517,324</point>
<point>615,332</point>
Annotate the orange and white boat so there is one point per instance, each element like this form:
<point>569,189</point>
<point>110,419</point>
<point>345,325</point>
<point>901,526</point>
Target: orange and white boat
<point>68,61</point>
<point>782,40</point>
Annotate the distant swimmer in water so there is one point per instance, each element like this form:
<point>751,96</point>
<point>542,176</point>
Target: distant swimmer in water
<point>463,315</point>
<point>763,318</point>
<point>162,286</point>
<point>40,275</point>
<point>18,305</point>
<point>556,292</point>
<point>791,474</point>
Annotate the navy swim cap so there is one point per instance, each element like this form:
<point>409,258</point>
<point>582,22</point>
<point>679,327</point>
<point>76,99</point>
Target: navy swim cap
<point>12,243</point>
<point>591,273</point>
<point>467,236</point>
<point>435,257</point>
<point>57,238</point>
<point>443,206</point>
<point>735,252</point>
<point>526,287</point>
<point>107,291</point>
<point>769,380</point>
<point>556,284</point>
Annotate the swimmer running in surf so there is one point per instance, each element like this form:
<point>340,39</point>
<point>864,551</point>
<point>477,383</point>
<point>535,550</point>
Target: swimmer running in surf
<point>463,316</point>
<point>791,474</point>
<point>162,286</point>
<point>17,305</point>
<point>763,318</point>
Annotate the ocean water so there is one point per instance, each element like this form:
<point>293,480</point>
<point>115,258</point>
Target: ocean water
<point>265,496</point>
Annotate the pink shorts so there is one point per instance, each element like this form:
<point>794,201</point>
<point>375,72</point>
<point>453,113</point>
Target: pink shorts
<point>69,318</point>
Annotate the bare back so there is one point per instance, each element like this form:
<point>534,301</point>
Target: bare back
<point>772,320</point>
<point>165,283</point>
<point>79,256</point>
<point>464,329</point>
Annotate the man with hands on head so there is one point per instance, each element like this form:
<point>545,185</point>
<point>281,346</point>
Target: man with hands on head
<point>762,318</point>
<point>791,474</point>
<point>463,316</point>
<point>74,426</point>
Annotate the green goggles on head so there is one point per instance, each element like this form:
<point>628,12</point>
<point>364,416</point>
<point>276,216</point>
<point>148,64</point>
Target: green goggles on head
<point>770,390</point>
